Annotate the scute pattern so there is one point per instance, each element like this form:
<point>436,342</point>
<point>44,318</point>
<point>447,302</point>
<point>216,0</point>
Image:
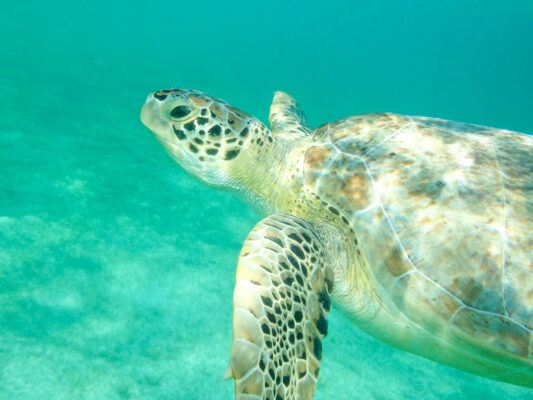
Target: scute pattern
<point>280,305</point>
<point>446,221</point>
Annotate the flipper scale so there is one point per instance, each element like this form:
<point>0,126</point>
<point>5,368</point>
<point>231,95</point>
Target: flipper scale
<point>279,313</point>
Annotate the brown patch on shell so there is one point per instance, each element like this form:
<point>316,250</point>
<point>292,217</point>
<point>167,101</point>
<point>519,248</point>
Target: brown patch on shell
<point>316,156</point>
<point>395,262</point>
<point>494,330</point>
<point>434,306</point>
<point>345,133</point>
<point>356,190</point>
<point>316,159</point>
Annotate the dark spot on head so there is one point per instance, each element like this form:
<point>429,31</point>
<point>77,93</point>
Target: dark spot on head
<point>231,154</point>
<point>189,126</point>
<point>244,132</point>
<point>179,133</point>
<point>298,316</point>
<point>215,130</point>
<point>211,152</point>
<point>213,115</point>
<point>203,112</point>
<point>265,329</point>
<point>160,96</point>
<point>231,140</point>
<point>198,141</point>
<point>201,132</point>
<point>227,130</point>
<point>201,121</point>
<point>180,111</point>
<point>193,148</point>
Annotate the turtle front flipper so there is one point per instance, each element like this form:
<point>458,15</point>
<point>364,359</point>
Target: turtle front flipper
<point>286,118</point>
<point>280,304</point>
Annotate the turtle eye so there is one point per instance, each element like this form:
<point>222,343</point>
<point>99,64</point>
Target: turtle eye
<point>180,112</point>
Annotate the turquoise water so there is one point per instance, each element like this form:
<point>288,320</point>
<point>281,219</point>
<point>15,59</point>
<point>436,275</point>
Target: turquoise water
<point>116,267</point>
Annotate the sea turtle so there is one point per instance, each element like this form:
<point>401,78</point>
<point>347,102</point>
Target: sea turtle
<point>419,229</point>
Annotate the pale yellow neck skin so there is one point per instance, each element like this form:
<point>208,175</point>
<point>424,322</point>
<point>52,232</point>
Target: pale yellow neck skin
<point>264,175</point>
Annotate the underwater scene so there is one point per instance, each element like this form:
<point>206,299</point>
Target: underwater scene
<point>117,267</point>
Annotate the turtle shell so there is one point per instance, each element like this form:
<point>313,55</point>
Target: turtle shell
<point>444,212</point>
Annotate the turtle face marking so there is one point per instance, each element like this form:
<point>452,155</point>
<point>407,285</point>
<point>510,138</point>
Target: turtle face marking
<point>201,126</point>
<point>202,133</point>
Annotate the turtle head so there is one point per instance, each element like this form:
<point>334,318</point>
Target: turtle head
<point>205,135</point>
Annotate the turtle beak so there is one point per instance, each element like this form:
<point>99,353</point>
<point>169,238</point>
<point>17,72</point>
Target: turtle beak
<point>152,119</point>
<point>148,110</point>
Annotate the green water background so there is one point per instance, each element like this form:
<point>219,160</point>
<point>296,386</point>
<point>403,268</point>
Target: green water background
<point>116,267</point>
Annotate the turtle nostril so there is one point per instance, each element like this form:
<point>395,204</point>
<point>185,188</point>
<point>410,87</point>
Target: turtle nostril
<point>180,111</point>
